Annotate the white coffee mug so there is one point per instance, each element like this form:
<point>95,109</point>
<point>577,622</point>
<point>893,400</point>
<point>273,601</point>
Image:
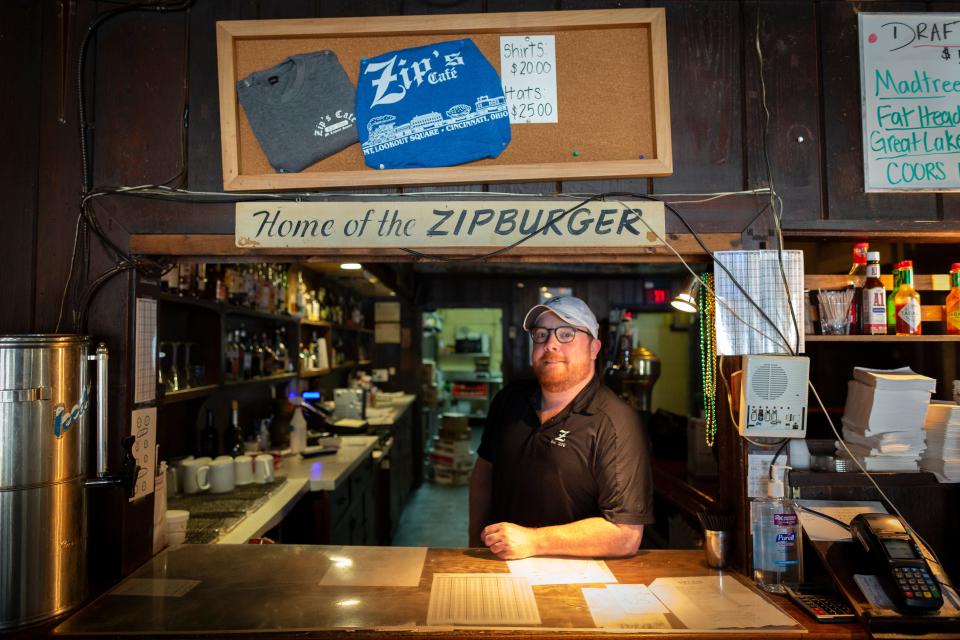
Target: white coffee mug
<point>263,468</point>
<point>222,476</point>
<point>195,476</point>
<point>243,469</point>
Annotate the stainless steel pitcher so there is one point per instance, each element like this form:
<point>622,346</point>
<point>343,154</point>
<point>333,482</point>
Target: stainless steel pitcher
<point>45,392</point>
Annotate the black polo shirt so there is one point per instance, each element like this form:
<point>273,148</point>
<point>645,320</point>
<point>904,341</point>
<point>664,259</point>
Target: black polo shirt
<point>591,459</point>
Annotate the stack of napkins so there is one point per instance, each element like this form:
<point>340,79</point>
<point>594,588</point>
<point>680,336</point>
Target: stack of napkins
<point>942,428</point>
<point>884,416</point>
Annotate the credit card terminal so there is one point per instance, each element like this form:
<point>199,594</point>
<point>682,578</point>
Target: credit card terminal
<point>896,558</point>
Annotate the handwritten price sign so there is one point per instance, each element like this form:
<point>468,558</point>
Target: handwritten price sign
<point>910,86</point>
<point>528,71</point>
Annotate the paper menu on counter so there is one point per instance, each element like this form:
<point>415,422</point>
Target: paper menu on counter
<point>608,613</point>
<point>718,602</point>
<point>818,528</point>
<point>482,599</point>
<point>561,571</point>
<point>375,567</point>
<point>636,598</point>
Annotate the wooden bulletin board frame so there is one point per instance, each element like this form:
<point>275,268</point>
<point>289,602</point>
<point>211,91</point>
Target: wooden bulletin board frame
<point>243,161</point>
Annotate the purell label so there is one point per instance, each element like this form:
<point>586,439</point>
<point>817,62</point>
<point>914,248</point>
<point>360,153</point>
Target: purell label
<point>910,313</point>
<point>784,519</point>
<point>786,539</point>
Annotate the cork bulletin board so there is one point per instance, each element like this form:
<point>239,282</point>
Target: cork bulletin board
<point>612,96</point>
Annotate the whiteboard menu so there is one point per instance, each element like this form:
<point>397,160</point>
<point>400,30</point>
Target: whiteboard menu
<point>910,97</point>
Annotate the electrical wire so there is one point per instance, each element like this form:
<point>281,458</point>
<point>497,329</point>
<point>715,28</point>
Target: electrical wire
<point>774,197</point>
<point>820,514</point>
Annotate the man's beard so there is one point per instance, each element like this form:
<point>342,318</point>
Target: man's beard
<point>560,378</point>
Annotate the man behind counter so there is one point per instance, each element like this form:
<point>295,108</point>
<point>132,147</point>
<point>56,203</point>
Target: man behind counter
<point>563,467</point>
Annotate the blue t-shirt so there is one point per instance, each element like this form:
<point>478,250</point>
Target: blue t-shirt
<point>432,106</point>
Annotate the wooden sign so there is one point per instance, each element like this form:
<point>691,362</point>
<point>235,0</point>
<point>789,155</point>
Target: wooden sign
<point>457,223</point>
<point>910,94</point>
<point>587,90</point>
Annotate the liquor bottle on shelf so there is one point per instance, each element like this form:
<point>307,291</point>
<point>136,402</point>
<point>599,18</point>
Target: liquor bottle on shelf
<point>234,283</point>
<point>907,303</point>
<point>186,274</point>
<point>203,283</point>
<point>873,307</point>
<point>269,362</point>
<point>283,286</point>
<point>170,280</point>
<point>246,355</point>
<point>219,284</point>
<point>256,360</point>
<point>281,351</point>
<point>859,268</point>
<point>299,301</point>
<point>891,308</point>
<point>232,368</point>
<point>209,438</point>
<point>234,438</point>
<point>952,303</point>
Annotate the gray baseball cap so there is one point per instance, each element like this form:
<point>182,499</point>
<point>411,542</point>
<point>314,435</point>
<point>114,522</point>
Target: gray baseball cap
<point>567,308</point>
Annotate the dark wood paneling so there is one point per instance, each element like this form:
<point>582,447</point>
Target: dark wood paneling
<point>786,30</point>
<point>704,57</point>
<point>137,139</point>
<point>58,163</point>
<point>20,28</point>
<point>843,148</point>
<point>205,168</point>
<point>355,8</point>
<point>273,10</point>
<point>442,7</point>
<point>522,5</point>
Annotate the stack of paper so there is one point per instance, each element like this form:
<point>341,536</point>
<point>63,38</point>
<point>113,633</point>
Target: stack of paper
<point>884,416</point>
<point>942,428</point>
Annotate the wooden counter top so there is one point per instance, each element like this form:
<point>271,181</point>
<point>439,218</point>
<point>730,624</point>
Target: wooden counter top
<point>274,590</point>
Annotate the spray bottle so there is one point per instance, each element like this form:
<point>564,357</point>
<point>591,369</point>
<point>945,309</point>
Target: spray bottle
<point>775,528</point>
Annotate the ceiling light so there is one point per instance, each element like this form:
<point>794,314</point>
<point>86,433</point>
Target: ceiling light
<point>351,266</point>
<point>547,295</point>
<point>685,300</point>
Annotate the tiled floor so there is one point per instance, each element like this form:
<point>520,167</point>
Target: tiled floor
<point>437,515</point>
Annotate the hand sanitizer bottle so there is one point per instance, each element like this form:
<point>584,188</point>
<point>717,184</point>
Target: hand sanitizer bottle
<point>775,528</point>
<point>298,431</point>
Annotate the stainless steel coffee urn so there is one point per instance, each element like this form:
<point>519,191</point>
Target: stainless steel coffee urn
<point>45,392</point>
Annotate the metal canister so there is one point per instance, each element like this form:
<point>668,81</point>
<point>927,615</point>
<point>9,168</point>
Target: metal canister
<point>45,392</point>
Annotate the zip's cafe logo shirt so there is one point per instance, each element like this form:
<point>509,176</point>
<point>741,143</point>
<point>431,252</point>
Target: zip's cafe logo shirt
<point>432,106</point>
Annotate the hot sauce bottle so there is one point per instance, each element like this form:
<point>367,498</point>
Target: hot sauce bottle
<point>953,301</point>
<point>907,303</point>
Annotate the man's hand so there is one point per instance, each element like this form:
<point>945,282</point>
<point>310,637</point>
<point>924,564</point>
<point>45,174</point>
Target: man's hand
<point>510,541</point>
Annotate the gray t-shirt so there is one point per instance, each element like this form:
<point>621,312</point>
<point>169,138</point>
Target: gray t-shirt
<point>301,110</point>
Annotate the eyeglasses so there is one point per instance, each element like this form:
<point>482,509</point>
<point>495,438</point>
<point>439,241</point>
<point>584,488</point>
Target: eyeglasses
<point>564,334</point>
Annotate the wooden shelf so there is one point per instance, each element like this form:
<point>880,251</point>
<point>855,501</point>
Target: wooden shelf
<point>814,338</point>
<point>315,323</point>
<point>314,373</point>
<point>921,282</point>
<point>192,393</point>
<point>280,377</point>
